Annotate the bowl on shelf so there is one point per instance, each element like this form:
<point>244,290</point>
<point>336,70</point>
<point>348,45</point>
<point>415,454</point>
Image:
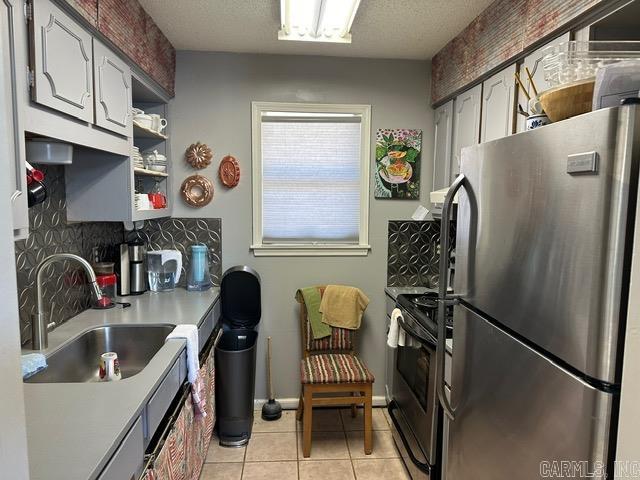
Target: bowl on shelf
<point>157,168</point>
<point>568,100</point>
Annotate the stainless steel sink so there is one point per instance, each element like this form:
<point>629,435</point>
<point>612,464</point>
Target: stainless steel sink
<point>78,360</point>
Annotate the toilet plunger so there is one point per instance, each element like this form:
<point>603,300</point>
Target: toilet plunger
<point>272,409</point>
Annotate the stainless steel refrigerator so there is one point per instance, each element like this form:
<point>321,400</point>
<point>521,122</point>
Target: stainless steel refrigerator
<point>543,245</point>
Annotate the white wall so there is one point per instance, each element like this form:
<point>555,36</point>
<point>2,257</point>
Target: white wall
<point>213,105</point>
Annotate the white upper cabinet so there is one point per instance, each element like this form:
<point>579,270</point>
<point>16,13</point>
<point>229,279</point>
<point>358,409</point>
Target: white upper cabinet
<point>534,62</point>
<point>443,127</point>
<point>113,90</point>
<point>498,101</point>
<point>466,124</point>
<point>10,118</point>
<point>61,61</point>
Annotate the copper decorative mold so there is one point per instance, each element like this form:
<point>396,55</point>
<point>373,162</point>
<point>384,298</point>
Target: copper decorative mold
<point>229,171</point>
<point>197,191</point>
<point>198,155</point>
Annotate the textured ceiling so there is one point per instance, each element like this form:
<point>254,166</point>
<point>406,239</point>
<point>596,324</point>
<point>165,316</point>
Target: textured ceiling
<point>409,29</point>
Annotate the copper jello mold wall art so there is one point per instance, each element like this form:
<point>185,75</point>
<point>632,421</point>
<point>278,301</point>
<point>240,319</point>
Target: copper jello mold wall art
<point>197,191</point>
<point>229,171</point>
<point>199,155</point>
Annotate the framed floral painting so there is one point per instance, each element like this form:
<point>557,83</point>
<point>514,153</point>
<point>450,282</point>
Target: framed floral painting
<point>397,171</point>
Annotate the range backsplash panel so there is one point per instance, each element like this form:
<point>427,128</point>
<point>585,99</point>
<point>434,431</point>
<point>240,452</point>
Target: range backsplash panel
<point>179,234</point>
<point>65,291</point>
<point>414,253</point>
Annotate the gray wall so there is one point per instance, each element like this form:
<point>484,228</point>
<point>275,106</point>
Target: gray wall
<point>213,105</point>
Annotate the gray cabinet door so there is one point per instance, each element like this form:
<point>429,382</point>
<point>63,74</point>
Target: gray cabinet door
<point>9,16</point>
<point>498,104</point>
<point>443,126</point>
<point>126,463</point>
<point>61,60</point>
<point>112,79</point>
<point>466,124</point>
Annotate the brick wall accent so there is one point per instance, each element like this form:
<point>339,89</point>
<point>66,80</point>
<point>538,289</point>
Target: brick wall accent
<point>505,29</point>
<point>88,9</point>
<point>131,29</point>
<point>134,32</point>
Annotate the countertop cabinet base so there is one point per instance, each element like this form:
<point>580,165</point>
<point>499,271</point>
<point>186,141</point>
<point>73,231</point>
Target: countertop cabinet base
<point>126,463</point>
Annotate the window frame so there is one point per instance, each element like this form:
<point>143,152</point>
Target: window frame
<point>261,249</point>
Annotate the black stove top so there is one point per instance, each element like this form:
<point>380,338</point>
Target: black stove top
<point>424,308</point>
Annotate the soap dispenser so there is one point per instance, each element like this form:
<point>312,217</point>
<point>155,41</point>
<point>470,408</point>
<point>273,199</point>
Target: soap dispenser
<point>199,279</point>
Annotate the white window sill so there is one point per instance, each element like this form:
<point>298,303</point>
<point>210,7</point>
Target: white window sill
<point>310,250</point>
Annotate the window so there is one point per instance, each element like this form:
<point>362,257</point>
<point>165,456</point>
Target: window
<point>310,179</point>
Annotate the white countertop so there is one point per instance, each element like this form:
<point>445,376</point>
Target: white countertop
<point>74,428</point>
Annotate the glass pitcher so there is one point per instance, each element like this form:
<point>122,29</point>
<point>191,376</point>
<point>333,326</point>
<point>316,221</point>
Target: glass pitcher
<point>163,269</point>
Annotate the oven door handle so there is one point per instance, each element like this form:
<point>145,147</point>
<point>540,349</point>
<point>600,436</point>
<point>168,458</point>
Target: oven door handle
<point>445,300</point>
<point>422,338</point>
<point>423,467</point>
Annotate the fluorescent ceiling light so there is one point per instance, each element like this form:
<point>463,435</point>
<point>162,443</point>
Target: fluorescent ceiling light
<point>317,20</point>
<point>309,114</point>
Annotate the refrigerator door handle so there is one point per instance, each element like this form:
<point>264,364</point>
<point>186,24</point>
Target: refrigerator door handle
<point>443,299</point>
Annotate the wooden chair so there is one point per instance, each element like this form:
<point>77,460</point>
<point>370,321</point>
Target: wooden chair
<point>331,370</point>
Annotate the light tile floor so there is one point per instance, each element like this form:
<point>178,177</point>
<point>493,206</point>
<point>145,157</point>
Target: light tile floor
<point>337,450</point>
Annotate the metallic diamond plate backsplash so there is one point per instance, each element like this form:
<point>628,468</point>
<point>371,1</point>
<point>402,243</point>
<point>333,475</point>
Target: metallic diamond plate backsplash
<point>180,234</point>
<point>65,292</point>
<point>413,253</point>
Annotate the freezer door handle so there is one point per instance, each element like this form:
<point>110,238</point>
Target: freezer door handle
<point>443,299</point>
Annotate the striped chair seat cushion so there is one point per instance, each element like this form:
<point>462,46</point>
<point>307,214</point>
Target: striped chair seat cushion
<point>334,368</point>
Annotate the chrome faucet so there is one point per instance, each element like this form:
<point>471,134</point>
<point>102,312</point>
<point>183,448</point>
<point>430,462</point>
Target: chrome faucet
<point>39,331</point>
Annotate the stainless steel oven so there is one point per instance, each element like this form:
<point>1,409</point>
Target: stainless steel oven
<point>414,408</point>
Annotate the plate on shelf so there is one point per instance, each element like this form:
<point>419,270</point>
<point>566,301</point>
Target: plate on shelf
<point>144,132</point>
<point>149,173</point>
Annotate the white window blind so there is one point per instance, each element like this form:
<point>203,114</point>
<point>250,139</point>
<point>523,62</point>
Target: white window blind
<point>310,171</point>
<point>311,179</point>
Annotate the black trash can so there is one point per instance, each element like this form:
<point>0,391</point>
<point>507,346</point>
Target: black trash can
<point>236,355</point>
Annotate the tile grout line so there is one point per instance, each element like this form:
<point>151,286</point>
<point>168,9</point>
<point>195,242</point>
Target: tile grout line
<point>297,447</point>
<point>244,460</point>
<point>346,438</point>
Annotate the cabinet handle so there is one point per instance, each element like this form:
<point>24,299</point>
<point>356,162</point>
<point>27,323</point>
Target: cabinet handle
<point>15,195</point>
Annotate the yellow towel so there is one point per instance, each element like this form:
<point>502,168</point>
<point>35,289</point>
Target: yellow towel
<point>343,306</point>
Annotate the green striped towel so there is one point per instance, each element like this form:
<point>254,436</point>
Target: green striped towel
<point>312,299</point>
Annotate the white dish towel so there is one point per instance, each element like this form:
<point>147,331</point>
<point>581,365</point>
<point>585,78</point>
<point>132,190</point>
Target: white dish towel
<point>396,335</point>
<point>190,334</point>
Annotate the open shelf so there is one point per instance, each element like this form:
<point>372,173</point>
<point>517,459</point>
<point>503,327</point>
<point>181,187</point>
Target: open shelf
<point>149,173</point>
<point>142,132</point>
<point>149,214</point>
